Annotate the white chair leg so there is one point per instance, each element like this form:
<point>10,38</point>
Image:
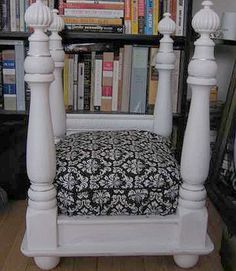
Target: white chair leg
<point>47,263</point>
<point>186,261</point>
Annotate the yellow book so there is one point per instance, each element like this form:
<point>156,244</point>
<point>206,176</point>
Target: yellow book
<point>99,21</point>
<point>134,16</point>
<point>65,80</point>
<point>155,16</point>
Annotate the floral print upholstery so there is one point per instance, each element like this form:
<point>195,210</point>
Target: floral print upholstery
<point>116,173</point>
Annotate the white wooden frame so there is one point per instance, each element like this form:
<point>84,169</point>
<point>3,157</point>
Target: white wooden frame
<point>49,236</point>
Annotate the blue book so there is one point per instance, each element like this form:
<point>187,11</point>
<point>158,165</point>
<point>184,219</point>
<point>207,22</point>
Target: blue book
<point>148,29</point>
<point>138,87</point>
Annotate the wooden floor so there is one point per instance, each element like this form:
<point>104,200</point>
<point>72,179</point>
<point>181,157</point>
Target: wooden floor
<point>12,226</point>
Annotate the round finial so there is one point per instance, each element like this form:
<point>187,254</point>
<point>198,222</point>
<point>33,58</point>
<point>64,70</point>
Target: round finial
<point>57,22</point>
<point>166,25</point>
<point>38,15</point>
<point>206,20</point>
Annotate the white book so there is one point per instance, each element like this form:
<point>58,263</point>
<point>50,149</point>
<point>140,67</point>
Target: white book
<point>80,86</point>
<point>75,82</point>
<point>92,13</point>
<point>115,85</point>
<point>70,81</point>
<point>175,83</point>
<point>179,18</point>
<point>22,17</point>
<point>13,15</point>
<point>93,58</point>
<point>98,84</point>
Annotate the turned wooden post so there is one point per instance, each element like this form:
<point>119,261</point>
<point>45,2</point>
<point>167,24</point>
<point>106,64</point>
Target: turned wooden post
<point>56,97</point>
<point>41,214</point>
<point>196,146</point>
<point>165,60</point>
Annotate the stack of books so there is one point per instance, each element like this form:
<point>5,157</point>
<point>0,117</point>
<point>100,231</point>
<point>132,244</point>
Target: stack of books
<point>123,80</point>
<point>12,87</point>
<point>120,16</point>
<point>12,14</point>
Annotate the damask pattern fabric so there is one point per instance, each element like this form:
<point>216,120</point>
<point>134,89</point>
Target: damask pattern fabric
<point>116,173</point>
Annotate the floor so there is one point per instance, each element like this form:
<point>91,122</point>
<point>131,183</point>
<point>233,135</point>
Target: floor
<point>12,226</point>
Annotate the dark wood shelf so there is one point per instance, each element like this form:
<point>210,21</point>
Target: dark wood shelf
<point>71,36</point>
<point>14,35</point>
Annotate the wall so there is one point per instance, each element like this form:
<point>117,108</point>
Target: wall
<point>225,54</point>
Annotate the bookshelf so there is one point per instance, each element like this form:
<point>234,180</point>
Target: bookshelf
<point>181,43</point>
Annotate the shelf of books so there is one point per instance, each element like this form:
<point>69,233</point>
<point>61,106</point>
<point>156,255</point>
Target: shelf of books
<point>110,50</point>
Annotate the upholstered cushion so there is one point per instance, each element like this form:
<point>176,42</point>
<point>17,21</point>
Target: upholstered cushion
<point>115,173</point>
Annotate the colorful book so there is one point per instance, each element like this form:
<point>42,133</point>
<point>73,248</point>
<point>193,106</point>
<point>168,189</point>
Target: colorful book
<point>118,29</point>
<point>92,21</point>
<point>149,17</point>
<point>107,80</point>
<point>127,21</point>
<point>153,80</point>
<point>155,16</point>
<point>9,79</point>
<point>141,16</point>
<point>134,16</point>
<point>138,85</point>
<point>87,81</point>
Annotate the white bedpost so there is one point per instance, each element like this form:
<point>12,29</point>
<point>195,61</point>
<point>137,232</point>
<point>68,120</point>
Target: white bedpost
<point>56,98</point>
<point>41,217</point>
<point>165,60</point>
<point>196,147</point>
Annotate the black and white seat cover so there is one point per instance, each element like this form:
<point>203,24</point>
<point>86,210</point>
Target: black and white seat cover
<point>116,173</point>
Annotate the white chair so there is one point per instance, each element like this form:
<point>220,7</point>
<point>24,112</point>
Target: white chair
<point>50,235</point>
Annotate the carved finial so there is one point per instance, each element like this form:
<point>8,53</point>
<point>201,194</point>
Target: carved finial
<point>38,15</point>
<point>166,25</point>
<point>57,24</point>
<point>206,20</point>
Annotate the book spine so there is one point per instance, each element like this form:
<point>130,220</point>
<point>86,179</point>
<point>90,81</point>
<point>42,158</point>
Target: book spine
<point>155,17</point>
<point>148,17</point>
<point>173,7</point>
<point>13,15</point>
<point>81,86</point>
<point>99,13</point>
<point>96,28</point>
<point>126,75</point>
<point>17,3</point>
<point>87,81</point>
<point>115,85</point>
<point>175,83</point>
<point>141,16</point>
<point>70,82</point>
<point>75,82</point>
<point>65,80</point>
<point>121,52</point>
<point>107,80</point>
<point>127,21</point>
<point>5,26</point>
<point>134,16</point>
<point>138,88</point>
<point>153,80</point>
<point>92,21</point>
<point>179,18</point>
<point>20,83</point>
<point>22,12</point>
<point>98,84</point>
<point>93,58</point>
<point>111,6</point>
<point>61,7</point>
<point>9,79</point>
<point>1,82</point>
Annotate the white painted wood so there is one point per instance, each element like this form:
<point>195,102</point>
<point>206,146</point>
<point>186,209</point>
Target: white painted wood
<point>41,216</point>
<point>93,122</point>
<point>56,97</point>
<point>183,235</point>
<point>165,64</point>
<point>196,147</point>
